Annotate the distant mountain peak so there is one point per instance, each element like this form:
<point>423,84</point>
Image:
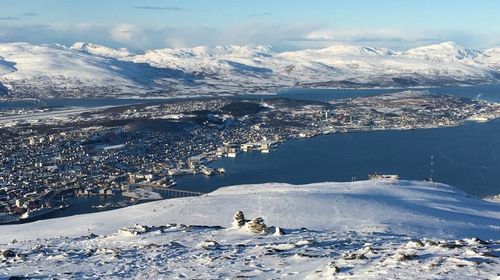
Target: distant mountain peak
<point>356,49</point>
<point>235,50</point>
<point>446,51</point>
<point>449,44</point>
<point>341,50</point>
<point>96,49</point>
<point>86,69</point>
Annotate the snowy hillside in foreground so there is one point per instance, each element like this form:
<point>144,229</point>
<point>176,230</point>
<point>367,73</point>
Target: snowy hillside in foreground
<point>411,208</point>
<point>368,229</point>
<point>86,69</point>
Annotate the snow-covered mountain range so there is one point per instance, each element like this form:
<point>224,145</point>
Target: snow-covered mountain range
<point>86,69</point>
<point>356,230</point>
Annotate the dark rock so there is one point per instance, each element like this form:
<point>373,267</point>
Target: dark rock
<point>404,257</point>
<point>353,256</point>
<point>9,253</point>
<point>239,219</point>
<point>333,267</point>
<point>16,278</point>
<point>480,241</point>
<point>419,242</point>
<point>257,225</point>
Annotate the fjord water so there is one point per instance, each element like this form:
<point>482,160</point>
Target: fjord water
<point>490,92</point>
<point>467,156</point>
<point>68,102</point>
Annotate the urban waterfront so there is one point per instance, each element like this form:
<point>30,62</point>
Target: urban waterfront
<point>466,156</point>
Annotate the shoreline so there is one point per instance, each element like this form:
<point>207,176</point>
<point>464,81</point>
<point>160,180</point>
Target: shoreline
<point>275,92</point>
<point>210,155</point>
<point>276,147</point>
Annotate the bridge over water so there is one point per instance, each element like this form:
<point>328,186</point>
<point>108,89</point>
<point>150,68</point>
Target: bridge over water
<point>174,193</point>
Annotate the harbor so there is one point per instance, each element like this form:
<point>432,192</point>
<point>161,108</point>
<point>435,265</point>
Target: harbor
<point>203,150</point>
<point>466,156</point>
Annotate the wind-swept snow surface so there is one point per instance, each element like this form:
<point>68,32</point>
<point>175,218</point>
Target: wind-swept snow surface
<point>87,69</point>
<point>368,229</point>
<point>417,209</point>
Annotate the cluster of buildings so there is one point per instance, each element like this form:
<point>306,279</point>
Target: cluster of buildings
<point>412,110</point>
<point>120,149</point>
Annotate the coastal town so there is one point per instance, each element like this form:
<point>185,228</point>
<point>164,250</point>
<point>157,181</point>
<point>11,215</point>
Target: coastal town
<point>50,154</point>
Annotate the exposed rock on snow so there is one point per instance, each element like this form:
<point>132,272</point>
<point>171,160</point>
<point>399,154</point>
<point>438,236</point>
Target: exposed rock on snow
<point>9,253</point>
<point>257,225</point>
<point>361,230</point>
<point>207,253</point>
<point>239,219</point>
<point>278,231</point>
<point>135,230</point>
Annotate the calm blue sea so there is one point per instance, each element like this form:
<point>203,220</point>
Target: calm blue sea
<point>467,156</point>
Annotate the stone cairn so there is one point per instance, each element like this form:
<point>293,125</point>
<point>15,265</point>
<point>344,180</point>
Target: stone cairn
<point>239,219</point>
<point>256,225</point>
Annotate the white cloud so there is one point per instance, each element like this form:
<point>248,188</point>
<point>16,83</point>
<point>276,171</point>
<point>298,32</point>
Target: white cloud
<point>253,32</point>
<point>124,32</point>
<point>355,34</point>
<point>390,38</point>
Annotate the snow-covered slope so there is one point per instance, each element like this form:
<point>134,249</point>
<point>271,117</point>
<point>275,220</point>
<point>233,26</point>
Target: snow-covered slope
<point>208,60</point>
<point>100,50</point>
<point>444,52</point>
<point>5,67</point>
<point>491,57</point>
<point>35,61</point>
<point>362,230</point>
<point>435,64</point>
<point>416,209</point>
<point>52,70</point>
<point>46,68</point>
<point>86,69</point>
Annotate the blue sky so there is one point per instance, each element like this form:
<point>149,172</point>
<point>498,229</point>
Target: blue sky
<point>146,24</point>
